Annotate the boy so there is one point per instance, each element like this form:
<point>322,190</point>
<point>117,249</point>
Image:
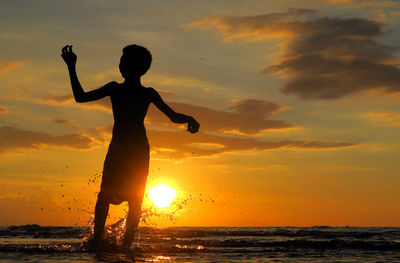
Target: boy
<point>127,161</point>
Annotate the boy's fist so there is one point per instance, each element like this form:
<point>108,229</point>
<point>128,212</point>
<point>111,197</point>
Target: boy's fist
<point>68,56</point>
<point>193,126</point>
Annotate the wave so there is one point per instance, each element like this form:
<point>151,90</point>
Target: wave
<point>228,246</point>
<point>38,231</point>
<point>50,239</point>
<point>326,232</point>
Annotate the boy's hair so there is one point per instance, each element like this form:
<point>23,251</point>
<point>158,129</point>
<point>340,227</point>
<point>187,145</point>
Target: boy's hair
<point>135,58</point>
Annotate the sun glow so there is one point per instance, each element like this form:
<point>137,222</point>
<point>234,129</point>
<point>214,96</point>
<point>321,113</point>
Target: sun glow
<point>162,195</point>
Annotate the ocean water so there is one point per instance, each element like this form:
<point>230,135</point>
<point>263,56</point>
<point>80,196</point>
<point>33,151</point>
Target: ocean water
<point>34,243</point>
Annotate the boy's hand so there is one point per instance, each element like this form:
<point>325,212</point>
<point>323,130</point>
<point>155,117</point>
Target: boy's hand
<point>193,125</point>
<point>68,56</point>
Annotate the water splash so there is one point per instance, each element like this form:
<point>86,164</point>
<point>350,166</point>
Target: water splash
<point>168,213</point>
<point>113,233</point>
<point>112,238</point>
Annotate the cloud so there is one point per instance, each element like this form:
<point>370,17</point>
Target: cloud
<point>8,67</point>
<point>256,107</point>
<point>338,1</point>
<point>174,82</point>
<point>246,119</point>
<point>12,139</point>
<point>322,58</point>
<point>261,168</point>
<point>180,144</point>
<point>3,110</point>
<point>21,93</point>
<point>177,145</point>
<point>67,122</point>
<point>162,91</point>
<point>103,104</point>
<point>100,134</point>
<point>60,121</point>
<point>58,99</point>
<point>248,116</point>
<point>362,3</point>
<point>384,117</point>
<point>254,28</point>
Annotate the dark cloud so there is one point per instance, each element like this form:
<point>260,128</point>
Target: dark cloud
<point>256,107</point>
<point>323,58</point>
<point>60,121</point>
<point>12,139</point>
<point>100,133</point>
<point>177,145</point>
<point>181,144</point>
<point>66,122</point>
<point>245,120</point>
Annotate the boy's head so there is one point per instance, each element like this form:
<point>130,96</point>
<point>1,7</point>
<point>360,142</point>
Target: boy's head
<point>135,61</point>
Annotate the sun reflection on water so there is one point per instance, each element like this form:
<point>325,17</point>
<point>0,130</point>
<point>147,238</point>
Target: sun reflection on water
<point>158,259</point>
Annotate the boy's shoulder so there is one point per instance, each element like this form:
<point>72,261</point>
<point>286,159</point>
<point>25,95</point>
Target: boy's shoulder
<point>111,85</point>
<point>152,92</point>
<point>150,89</point>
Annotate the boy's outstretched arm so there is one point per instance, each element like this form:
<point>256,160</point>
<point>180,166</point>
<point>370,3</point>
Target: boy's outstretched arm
<point>193,125</point>
<point>79,94</point>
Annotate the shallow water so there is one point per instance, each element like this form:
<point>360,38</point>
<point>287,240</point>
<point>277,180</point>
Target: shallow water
<point>33,243</point>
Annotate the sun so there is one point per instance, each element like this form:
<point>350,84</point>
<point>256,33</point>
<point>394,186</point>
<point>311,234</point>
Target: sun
<point>162,195</point>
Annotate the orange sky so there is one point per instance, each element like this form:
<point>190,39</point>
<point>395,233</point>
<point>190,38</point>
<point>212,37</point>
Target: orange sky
<point>298,105</point>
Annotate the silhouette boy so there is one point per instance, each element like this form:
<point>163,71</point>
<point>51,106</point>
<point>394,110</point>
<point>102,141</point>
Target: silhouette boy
<point>127,161</point>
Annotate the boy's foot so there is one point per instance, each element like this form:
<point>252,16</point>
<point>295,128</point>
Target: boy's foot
<point>126,244</point>
<point>128,238</point>
<point>94,245</point>
<point>126,248</point>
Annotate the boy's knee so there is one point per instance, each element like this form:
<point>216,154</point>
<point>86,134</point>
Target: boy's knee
<point>102,196</point>
<point>135,205</point>
<point>109,198</point>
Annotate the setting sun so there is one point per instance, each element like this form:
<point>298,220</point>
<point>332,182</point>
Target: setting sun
<point>162,195</point>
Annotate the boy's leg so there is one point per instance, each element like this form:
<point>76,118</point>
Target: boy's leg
<point>132,222</point>
<point>100,216</point>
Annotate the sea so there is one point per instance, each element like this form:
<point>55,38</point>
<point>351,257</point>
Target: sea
<point>35,243</point>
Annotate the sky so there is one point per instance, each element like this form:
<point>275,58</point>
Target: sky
<point>298,102</point>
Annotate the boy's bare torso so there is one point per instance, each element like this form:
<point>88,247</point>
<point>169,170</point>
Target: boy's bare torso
<point>129,105</point>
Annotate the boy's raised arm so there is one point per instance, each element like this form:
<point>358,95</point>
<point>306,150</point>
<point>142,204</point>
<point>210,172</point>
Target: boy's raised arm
<point>193,125</point>
<point>79,94</point>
